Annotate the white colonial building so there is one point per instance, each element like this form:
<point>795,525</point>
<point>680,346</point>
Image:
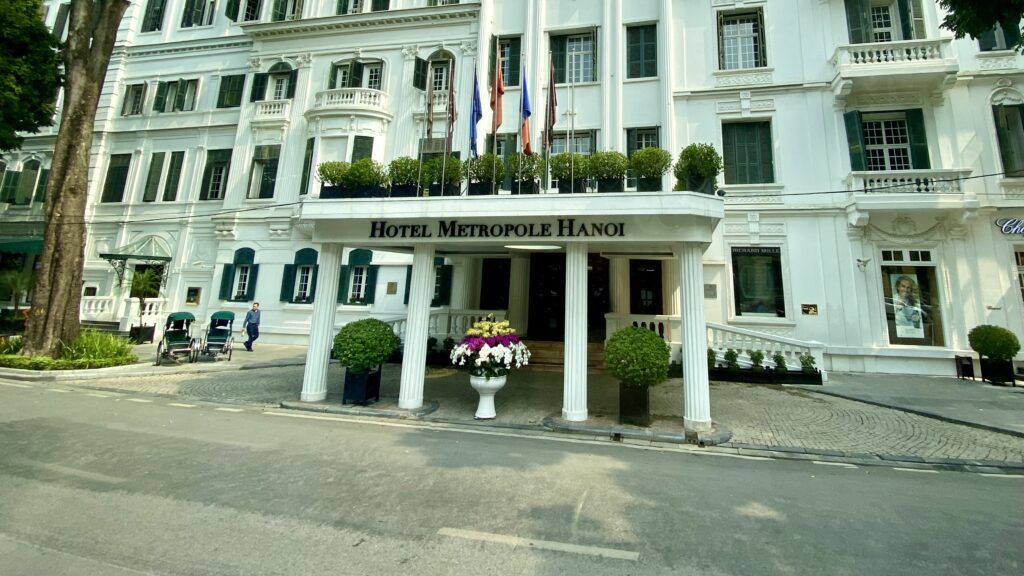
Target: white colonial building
<point>865,149</point>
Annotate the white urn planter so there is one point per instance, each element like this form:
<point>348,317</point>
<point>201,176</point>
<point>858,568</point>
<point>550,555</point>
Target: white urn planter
<point>487,387</point>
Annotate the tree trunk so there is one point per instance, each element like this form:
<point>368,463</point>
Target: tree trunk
<point>58,289</point>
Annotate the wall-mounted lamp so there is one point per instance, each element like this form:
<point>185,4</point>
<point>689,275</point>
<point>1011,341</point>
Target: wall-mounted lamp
<point>862,263</point>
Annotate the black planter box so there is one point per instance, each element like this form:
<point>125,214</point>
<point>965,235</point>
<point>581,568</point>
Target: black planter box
<point>361,387</point>
<point>700,184</point>
<point>141,334</point>
<point>765,376</point>
<point>403,191</point>
<point>648,185</point>
<point>525,187</point>
<point>332,192</point>
<point>572,186</point>
<point>634,405</point>
<point>369,192</point>
<point>997,371</point>
<point>482,188</point>
<point>611,185</point>
<point>448,190</point>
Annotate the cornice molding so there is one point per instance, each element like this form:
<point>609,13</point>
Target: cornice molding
<point>412,17</point>
<point>186,47</point>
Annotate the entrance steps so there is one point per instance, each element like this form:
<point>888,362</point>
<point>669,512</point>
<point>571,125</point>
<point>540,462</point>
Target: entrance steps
<point>549,353</point>
<point>102,326</point>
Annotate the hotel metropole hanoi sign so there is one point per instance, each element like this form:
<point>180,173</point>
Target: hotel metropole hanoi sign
<point>454,229</point>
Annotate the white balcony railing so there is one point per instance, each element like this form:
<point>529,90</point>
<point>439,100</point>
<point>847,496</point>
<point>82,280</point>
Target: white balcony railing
<point>899,53</point>
<point>908,182</point>
<point>269,110</point>
<point>352,99</point>
<point>448,323</point>
<point>97,308</point>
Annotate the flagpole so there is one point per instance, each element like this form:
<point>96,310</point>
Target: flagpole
<point>494,111</point>
<point>571,143</point>
<point>447,128</point>
<point>522,143</point>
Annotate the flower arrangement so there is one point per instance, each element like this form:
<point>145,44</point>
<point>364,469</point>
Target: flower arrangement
<point>490,348</point>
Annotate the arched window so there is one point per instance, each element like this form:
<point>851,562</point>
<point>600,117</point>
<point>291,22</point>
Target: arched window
<point>238,279</point>
<point>299,281</point>
<point>27,183</point>
<point>277,83</point>
<point>358,281</point>
<point>442,63</point>
<point>359,73</point>
<point>1008,113</point>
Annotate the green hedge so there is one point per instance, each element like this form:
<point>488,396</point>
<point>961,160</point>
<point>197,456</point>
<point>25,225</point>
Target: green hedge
<point>47,363</point>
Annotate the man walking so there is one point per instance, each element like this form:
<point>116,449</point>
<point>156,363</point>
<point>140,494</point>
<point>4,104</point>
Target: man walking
<point>251,325</point>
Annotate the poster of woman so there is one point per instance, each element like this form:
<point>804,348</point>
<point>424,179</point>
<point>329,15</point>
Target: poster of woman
<point>906,298</point>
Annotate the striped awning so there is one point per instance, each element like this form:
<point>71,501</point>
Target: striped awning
<point>21,244</point>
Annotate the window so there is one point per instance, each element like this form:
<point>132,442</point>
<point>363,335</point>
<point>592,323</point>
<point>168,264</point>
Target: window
<point>156,167</point>
<point>373,74</point>
<point>1019,256</point>
<point>176,96</point>
<point>509,48</point>
<point>357,291</point>
<point>307,165</point>
<point>1010,133</point>
<point>358,281</point>
<point>641,51</point>
<point>215,176</point>
<point>645,287</point>
<point>117,178</point>
<point>153,19</point>
<point>298,283</point>
<point>263,176</point>
<point>356,74</point>
<point>441,2</point>
<point>278,83</point>
<point>636,139</point>
<point>173,176</point>
<point>747,153</point>
<point>362,147</point>
<point>573,57</point>
<point>741,40</point>
<point>582,142</point>
<point>251,10</point>
<point>360,6</point>
<point>757,282</point>
<point>286,10</point>
<point>911,298</point>
<point>439,75</point>
<point>238,279</point>
<point>22,186</point>
<point>1002,37</point>
<point>156,171</point>
<point>134,96</point>
<point>200,13</point>
<point>10,184</point>
<point>885,20</point>
<point>887,141</point>
<point>882,29</point>
<point>230,93</point>
<point>60,23</point>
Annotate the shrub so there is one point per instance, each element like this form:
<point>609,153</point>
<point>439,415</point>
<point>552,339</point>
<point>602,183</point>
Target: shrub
<point>756,359</point>
<point>994,342</point>
<point>637,357</point>
<point>364,344</point>
<point>11,344</point>
<point>333,172</point>
<point>404,171</point>
<point>732,359</point>
<point>608,165</point>
<point>807,364</point>
<point>712,358</point>
<point>365,172</point>
<point>486,168</point>
<point>525,168</point>
<point>95,345</point>
<point>780,362</point>
<point>48,363</point>
<point>650,162</point>
<point>698,160</point>
<point>452,169</point>
<point>569,165</point>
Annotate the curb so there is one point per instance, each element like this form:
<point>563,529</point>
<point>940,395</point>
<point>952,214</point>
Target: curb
<point>356,410</point>
<point>130,371</point>
<point>717,435</point>
<point>925,413</point>
<point>869,459</point>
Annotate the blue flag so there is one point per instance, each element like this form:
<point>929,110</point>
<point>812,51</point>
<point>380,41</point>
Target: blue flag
<point>525,113</point>
<point>476,113</point>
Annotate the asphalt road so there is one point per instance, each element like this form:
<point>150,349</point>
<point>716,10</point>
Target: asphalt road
<point>107,484</point>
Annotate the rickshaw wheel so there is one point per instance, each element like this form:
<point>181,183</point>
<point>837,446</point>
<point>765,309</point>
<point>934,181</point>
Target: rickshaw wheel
<point>193,353</point>
<point>229,354</point>
<point>159,353</point>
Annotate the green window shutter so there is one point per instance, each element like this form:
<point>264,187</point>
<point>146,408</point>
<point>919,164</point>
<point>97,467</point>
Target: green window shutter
<point>117,177</point>
<point>250,293</point>
<point>747,153</point>
<point>362,147</point>
<point>179,96</point>
<point>492,54</point>
<point>187,15</point>
<point>227,278</point>
<point>62,20</point>
<point>355,77</point>
<point>278,12</point>
<point>858,21</point>
<point>343,285</point>
<point>594,61</point>
<point>204,186</point>
<point>634,52</point>
<point>269,179</point>
<point>381,5</point>
<point>408,283</point>
<point>312,282</point>
<point>156,166</point>
<point>288,283</point>
<point>1010,120</point>
<point>173,176</point>
<point>307,166</point>
<point>987,41</point>
<point>906,19</point>
<point>651,51</point>
<point>730,153</point>
<point>232,10</point>
<point>766,168</point>
<point>333,80</point>
<point>444,296</point>
<point>1011,33</point>
<point>230,93</point>
<point>558,56</point>
<point>514,65</point>
<point>293,82</point>
<point>919,158</point>
<point>855,140</point>
<point>371,284</point>
<point>342,7</point>
<point>44,177</point>
<point>10,186</point>
<point>153,20</point>
<point>161,97</point>
<point>259,87</point>
<point>419,74</point>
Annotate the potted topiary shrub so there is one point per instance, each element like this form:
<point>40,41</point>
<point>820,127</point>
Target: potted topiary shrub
<point>332,175</point>
<point>366,178</point>
<point>571,170</point>
<point>732,359</point>
<point>780,364</point>
<point>526,171</point>
<point>448,169</point>
<point>404,173</point>
<point>609,168</point>
<point>698,167</point>
<point>997,346</point>
<point>361,347</point>
<point>639,359</point>
<point>483,173</point>
<point>649,165</point>
<point>146,283</point>
<point>712,359</point>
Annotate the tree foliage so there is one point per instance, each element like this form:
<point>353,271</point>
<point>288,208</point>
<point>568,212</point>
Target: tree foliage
<point>29,71</point>
<point>975,17</point>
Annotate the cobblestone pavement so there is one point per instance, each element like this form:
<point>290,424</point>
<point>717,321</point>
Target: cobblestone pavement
<point>757,415</point>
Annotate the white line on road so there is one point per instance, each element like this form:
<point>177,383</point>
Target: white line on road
<point>1001,475</point>
<point>59,390</point>
<point>229,410</point>
<point>540,544</point>
<point>838,464</point>
<point>917,470</point>
<point>97,395</point>
<point>728,455</point>
<point>13,385</point>
<point>75,472</point>
<point>178,405</point>
<point>140,400</point>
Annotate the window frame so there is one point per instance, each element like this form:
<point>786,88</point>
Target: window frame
<point>198,13</point>
<point>781,300</point>
<point>647,63</point>
<point>759,46</point>
<point>756,172</point>
<point>134,99</point>
<point>265,160</point>
<point>116,180</point>
<point>231,91</point>
<point>1009,137</point>
<point>917,262</point>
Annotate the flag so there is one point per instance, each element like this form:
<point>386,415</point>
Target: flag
<point>497,91</point>
<point>525,112</point>
<point>550,116</point>
<point>429,116</point>
<point>452,113</point>
<point>476,113</point>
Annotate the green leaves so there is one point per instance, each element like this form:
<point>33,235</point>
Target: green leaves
<point>637,357</point>
<point>29,72</point>
<point>994,342</point>
<point>364,344</point>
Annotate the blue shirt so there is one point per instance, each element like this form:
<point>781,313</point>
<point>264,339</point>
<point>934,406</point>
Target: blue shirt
<point>251,317</point>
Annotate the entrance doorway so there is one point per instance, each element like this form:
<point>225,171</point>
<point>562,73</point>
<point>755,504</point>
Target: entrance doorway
<point>645,287</point>
<point>547,297</point>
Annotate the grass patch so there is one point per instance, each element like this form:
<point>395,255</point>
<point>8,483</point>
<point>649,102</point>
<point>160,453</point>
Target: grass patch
<point>92,349</point>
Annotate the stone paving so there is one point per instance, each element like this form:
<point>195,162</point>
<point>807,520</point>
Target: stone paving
<point>768,416</point>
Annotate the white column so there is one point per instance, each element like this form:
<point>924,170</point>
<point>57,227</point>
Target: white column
<point>461,267</point>
<point>696,393</point>
<point>518,292</point>
<point>574,387</point>
<point>670,287</point>
<point>321,330</point>
<point>414,351</point>
<point>618,279</point>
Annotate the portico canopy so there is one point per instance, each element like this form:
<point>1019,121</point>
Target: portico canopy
<point>149,249</point>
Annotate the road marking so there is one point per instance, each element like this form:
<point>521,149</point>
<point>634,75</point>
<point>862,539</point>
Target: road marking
<point>349,420</point>
<point>838,464</point>
<point>62,553</point>
<point>59,390</point>
<point>75,472</point>
<point>140,400</point>
<point>728,455</point>
<point>13,385</point>
<point>178,405</point>
<point>917,470</point>
<point>540,544</point>
<point>97,395</point>
<point>229,410</point>
<point>1002,475</point>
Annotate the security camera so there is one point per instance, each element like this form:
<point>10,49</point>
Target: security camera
<point>863,262</point>
<point>720,192</point>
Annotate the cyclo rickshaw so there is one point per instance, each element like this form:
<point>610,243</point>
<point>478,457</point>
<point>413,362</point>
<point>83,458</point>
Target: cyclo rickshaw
<point>177,339</point>
<point>218,338</point>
